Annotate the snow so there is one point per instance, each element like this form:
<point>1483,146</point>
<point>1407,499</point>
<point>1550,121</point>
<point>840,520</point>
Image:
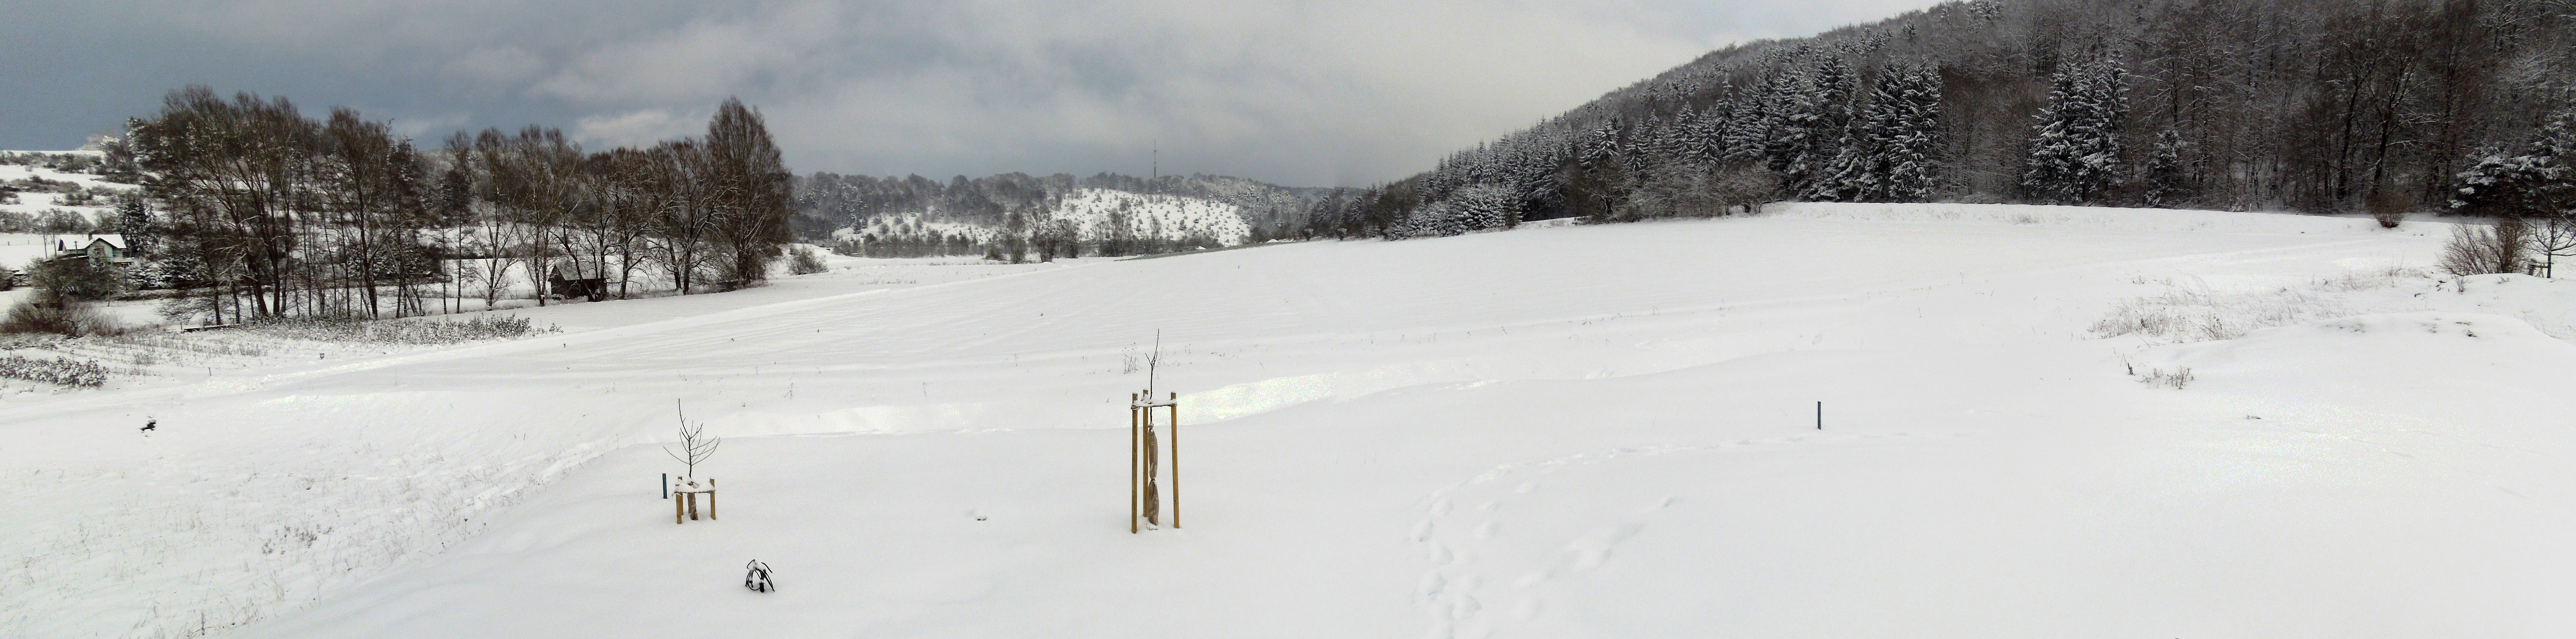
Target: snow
<point>1578,431</point>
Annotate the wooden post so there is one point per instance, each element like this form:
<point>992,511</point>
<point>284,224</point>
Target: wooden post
<point>1176,460</point>
<point>711,498</point>
<point>1134,443</point>
<point>675,510</point>
<point>1820,415</point>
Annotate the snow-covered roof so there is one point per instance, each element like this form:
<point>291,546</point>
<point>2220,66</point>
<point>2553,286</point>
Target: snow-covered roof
<point>79,242</point>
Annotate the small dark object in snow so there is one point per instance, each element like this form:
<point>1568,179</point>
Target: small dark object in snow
<point>758,579</point>
<point>149,424</point>
<point>2252,417</point>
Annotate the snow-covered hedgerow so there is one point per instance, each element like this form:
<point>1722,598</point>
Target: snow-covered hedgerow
<point>416,332</point>
<point>63,371</point>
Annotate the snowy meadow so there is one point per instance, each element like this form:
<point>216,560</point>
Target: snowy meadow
<point>2036,421</point>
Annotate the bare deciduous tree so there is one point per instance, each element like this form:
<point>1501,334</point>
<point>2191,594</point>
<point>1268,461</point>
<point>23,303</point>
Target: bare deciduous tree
<point>695,445</point>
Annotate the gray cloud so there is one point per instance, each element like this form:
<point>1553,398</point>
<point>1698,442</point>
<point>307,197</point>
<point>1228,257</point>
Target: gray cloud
<point>1316,92</point>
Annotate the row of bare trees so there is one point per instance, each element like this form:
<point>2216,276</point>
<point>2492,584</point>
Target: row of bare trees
<point>260,212</point>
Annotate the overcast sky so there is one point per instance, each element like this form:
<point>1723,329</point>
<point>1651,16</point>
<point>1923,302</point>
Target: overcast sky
<point>1316,93</point>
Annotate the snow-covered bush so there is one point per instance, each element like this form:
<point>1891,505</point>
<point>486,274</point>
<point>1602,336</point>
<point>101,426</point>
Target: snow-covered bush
<point>803,261</point>
<point>65,371</point>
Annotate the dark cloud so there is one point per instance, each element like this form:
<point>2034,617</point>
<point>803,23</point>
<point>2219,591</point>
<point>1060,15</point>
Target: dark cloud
<point>1318,92</point>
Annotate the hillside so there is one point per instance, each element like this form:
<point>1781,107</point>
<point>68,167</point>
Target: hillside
<point>2229,104</point>
<point>53,192</point>
<point>982,207</point>
<point>2037,421</point>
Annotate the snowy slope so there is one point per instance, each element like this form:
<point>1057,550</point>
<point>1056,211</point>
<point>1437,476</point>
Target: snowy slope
<point>1584,431</point>
<point>917,225</point>
<point>36,203</point>
<point>1094,210</point>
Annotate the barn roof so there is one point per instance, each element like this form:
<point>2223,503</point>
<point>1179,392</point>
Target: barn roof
<point>571,269</point>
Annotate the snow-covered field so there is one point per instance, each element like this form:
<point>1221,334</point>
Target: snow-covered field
<point>1591,431</point>
<point>37,203</point>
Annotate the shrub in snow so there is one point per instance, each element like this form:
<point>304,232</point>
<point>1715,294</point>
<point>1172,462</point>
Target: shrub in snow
<point>2474,250</point>
<point>2175,380</point>
<point>60,370</point>
<point>62,306</point>
<point>328,329</point>
<point>805,262</point>
<point>2388,206</point>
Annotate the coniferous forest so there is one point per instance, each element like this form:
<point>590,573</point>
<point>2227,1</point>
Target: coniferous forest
<point>2318,106</point>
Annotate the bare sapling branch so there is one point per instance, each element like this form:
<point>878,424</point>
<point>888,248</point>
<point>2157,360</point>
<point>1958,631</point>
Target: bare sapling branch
<point>695,445</point>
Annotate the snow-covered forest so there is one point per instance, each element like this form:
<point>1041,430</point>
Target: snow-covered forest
<point>2407,106</point>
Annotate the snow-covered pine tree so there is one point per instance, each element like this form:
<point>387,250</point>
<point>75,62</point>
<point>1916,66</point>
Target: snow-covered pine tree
<point>1707,145</point>
<point>1747,129</point>
<point>1673,137</point>
<point>1645,147</point>
<point>2075,154</point>
<point>1787,112</point>
<point>134,221</point>
<point>1906,152</point>
<point>1825,119</point>
<point>2539,180</point>
<point>1851,172</point>
<point>1486,206</point>
<point>1602,143</point>
<point>2164,178</point>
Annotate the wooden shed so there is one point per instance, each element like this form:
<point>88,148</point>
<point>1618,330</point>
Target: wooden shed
<point>570,278</point>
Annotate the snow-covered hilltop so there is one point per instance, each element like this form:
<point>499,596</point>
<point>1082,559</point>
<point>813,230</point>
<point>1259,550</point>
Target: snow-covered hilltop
<point>1096,215</point>
<point>1105,213</point>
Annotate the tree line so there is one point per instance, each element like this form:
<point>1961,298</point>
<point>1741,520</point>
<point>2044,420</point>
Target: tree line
<point>2310,105</point>
<point>255,211</point>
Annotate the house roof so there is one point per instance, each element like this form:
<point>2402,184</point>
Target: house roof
<point>81,242</point>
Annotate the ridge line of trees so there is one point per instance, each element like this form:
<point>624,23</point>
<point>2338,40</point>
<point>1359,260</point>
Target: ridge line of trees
<point>260,212</point>
<point>2309,105</point>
